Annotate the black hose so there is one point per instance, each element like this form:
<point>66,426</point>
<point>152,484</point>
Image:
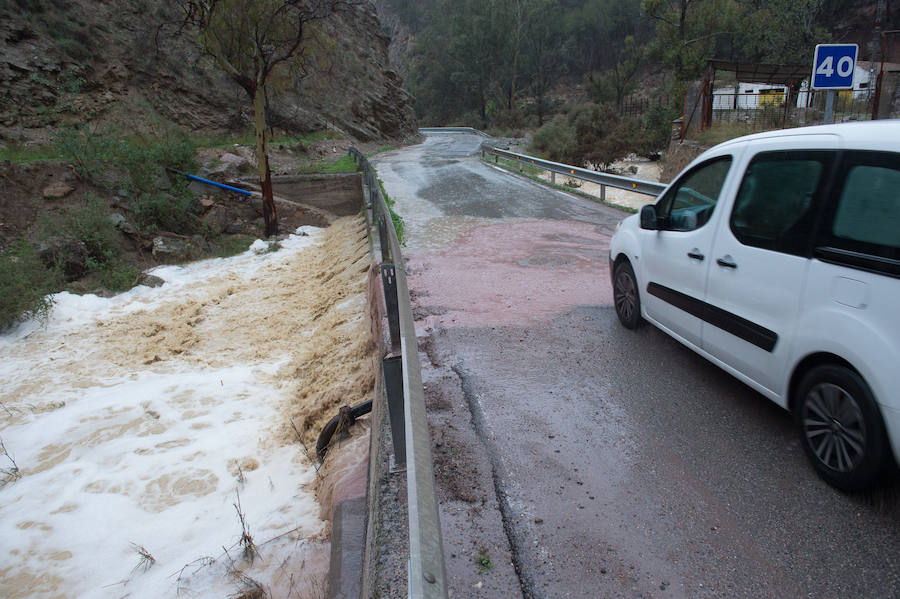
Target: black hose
<point>345,417</point>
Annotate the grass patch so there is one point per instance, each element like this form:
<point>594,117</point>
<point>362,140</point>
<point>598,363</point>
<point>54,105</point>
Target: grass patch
<point>399,226</point>
<point>16,153</point>
<point>380,150</point>
<point>25,285</point>
<point>344,164</point>
<point>232,245</point>
<point>512,166</point>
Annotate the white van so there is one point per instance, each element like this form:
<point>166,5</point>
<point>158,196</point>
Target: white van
<point>776,256</point>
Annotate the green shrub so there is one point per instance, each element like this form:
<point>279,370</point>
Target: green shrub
<point>554,139</point>
<point>137,163</point>
<point>25,284</point>
<point>596,134</point>
<point>88,223</point>
<point>658,128</point>
<point>173,211</point>
<point>87,149</point>
<point>117,275</point>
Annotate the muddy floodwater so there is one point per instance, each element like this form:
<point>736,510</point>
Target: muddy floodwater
<point>150,443</point>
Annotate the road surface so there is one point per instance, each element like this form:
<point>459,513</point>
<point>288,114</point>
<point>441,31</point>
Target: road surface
<point>585,460</point>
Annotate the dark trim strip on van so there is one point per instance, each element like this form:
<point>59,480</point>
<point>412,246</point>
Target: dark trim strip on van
<point>740,327</point>
<point>867,262</point>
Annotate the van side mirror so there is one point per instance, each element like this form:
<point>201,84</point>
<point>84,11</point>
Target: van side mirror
<point>649,219</point>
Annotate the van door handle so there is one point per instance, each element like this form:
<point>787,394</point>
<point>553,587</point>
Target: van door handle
<point>726,261</point>
<point>696,255</point>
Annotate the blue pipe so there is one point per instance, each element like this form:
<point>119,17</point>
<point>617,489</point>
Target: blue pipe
<point>222,185</point>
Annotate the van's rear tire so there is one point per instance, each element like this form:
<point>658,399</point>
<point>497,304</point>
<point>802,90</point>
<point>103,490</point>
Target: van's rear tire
<point>841,428</point>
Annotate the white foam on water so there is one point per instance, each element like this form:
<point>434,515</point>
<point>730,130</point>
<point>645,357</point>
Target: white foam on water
<point>114,459</point>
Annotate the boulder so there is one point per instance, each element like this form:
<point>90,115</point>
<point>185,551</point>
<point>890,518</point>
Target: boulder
<point>239,162</point>
<point>171,250</point>
<point>57,190</point>
<point>217,219</point>
<point>150,280</point>
<point>66,252</point>
<point>197,245</point>
<point>122,224</point>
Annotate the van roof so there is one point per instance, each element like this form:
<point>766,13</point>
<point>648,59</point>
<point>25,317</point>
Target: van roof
<point>875,135</point>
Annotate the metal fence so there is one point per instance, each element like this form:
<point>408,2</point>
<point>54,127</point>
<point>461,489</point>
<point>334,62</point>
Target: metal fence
<point>426,575</point>
<point>767,110</point>
<point>638,106</point>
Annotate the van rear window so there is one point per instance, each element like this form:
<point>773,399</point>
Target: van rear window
<point>861,226</point>
<point>868,210</point>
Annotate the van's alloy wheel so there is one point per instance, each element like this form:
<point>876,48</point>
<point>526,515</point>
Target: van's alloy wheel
<point>841,428</point>
<point>834,427</point>
<point>626,296</point>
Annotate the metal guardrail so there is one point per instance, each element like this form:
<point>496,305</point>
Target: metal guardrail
<point>603,179</point>
<point>427,574</point>
<point>468,130</point>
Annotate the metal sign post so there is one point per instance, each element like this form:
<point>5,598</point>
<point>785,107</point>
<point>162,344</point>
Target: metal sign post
<point>833,68</point>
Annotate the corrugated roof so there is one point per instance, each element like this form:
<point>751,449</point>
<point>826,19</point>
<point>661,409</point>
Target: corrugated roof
<point>783,74</point>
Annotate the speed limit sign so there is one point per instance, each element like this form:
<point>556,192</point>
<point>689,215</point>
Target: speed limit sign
<point>833,66</point>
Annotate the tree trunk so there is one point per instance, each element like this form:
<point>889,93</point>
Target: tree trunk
<point>262,157</point>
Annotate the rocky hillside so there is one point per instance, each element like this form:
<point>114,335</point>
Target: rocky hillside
<point>98,60</point>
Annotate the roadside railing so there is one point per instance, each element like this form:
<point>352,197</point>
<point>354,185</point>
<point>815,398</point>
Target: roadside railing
<point>469,130</point>
<point>427,575</point>
<point>603,179</point>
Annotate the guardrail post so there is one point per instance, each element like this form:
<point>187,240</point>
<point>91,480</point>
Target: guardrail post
<point>553,177</point>
<point>392,366</point>
<point>496,159</point>
<point>389,284</point>
<point>603,193</point>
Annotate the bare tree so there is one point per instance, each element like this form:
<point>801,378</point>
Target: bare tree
<point>251,40</point>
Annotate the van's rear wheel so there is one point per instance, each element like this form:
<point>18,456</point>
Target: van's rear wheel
<point>841,428</point>
<point>626,296</point>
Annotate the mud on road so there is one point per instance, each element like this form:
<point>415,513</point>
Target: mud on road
<point>584,459</point>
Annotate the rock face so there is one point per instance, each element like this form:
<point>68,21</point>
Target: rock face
<point>362,95</point>
<point>97,60</point>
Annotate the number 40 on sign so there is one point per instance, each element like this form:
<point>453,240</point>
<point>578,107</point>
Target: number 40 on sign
<point>833,66</point>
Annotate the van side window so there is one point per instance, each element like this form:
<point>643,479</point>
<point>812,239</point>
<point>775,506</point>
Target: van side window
<point>774,208</point>
<point>689,204</point>
<point>863,219</point>
<point>868,211</point>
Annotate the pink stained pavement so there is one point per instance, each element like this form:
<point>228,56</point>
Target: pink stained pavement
<point>516,273</point>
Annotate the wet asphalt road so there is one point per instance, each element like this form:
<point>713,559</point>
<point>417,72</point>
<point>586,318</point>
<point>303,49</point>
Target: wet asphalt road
<point>620,463</point>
